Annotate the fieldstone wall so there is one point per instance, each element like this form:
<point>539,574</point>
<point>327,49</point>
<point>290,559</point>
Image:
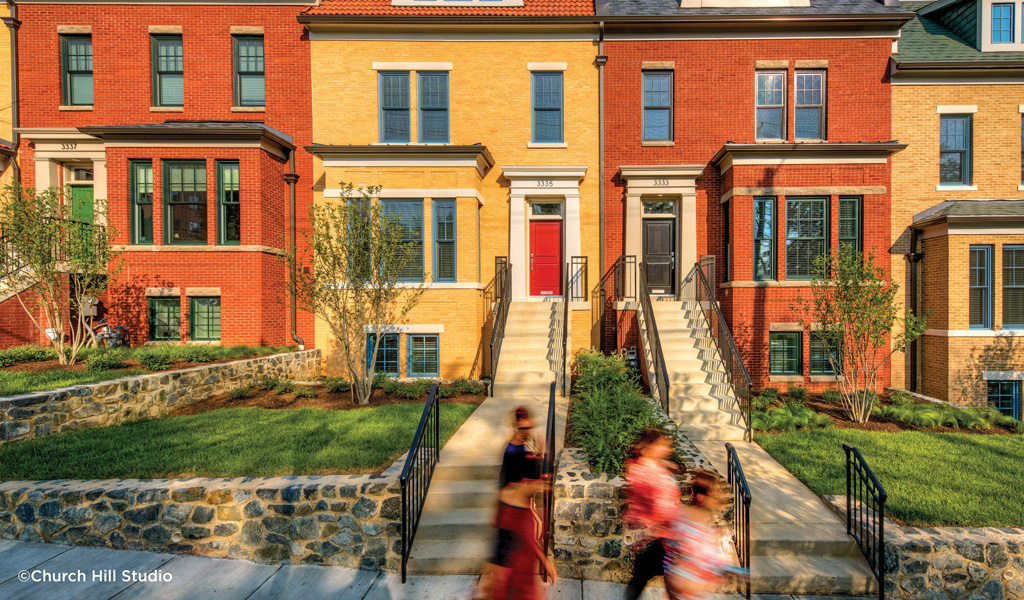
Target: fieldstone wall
<point>590,539</point>
<point>350,521</point>
<point>39,414</point>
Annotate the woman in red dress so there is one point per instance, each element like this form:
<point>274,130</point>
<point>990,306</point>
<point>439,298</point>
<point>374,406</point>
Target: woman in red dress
<point>519,580</point>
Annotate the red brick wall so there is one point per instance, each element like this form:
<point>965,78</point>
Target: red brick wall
<point>252,283</point>
<point>16,328</point>
<point>714,103</point>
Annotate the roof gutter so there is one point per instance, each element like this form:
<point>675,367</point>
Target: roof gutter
<point>892,18</point>
<point>959,66</point>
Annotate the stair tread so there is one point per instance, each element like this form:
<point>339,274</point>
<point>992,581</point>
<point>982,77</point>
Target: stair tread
<point>811,574</point>
<point>457,516</point>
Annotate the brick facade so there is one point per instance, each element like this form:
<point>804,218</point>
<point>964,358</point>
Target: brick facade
<point>251,277</point>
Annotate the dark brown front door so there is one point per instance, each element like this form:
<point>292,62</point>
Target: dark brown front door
<point>660,255</point>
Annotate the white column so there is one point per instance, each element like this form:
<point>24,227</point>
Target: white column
<point>634,226</point>
<point>573,234</point>
<point>688,233</point>
<point>517,249</point>
<point>99,186</point>
<point>47,174</point>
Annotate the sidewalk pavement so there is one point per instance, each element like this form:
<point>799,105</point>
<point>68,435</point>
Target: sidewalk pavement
<point>102,574</point>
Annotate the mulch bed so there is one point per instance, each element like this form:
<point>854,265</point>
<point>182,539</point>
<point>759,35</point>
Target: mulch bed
<point>271,399</point>
<point>886,425</point>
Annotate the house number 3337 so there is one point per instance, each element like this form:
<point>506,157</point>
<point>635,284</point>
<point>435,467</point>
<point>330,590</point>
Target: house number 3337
<point>68,146</point>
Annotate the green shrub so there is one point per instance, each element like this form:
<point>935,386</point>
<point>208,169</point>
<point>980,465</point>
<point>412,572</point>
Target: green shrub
<point>762,403</point>
<point>304,391</point>
<point>285,387</point>
<point>770,392</point>
<point>608,411</point>
<point>797,393</point>
<point>832,397</point>
<point>463,385</point>
<point>270,383</point>
<point>240,393</point>
<point>336,385</point>
<point>901,398</point>
<point>24,354</point>
<point>930,415</point>
<point>156,358</point>
<point>789,419</point>
<point>197,354</point>
<point>105,361</point>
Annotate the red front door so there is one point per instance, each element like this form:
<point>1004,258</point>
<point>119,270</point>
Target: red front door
<point>546,258</point>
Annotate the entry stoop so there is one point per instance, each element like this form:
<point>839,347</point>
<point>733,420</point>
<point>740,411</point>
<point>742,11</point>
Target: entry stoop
<point>531,353</point>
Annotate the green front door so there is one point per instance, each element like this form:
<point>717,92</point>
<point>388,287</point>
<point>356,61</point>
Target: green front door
<point>81,203</point>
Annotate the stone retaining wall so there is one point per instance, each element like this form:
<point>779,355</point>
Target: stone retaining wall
<point>350,521</point>
<point>39,414</point>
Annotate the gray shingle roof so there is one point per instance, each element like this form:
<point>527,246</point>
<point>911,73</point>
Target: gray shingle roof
<point>671,8</point>
<point>996,209</point>
<point>924,40</point>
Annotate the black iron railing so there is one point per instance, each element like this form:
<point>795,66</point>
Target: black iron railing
<point>866,521</point>
<point>698,289</point>
<point>502,300</point>
<point>626,278</point>
<point>418,470</point>
<point>69,239</point>
<point>576,291</point>
<point>741,510</point>
<point>658,369</point>
<point>577,279</point>
<point>707,267</point>
<point>549,472</point>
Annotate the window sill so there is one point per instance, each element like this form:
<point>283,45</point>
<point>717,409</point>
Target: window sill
<point>547,145</point>
<point>785,379</point>
<point>787,283</point>
<point>656,144</point>
<point>249,109</point>
<point>63,108</point>
<point>166,109</point>
<point>825,378</point>
<point>1020,188</point>
<point>956,188</point>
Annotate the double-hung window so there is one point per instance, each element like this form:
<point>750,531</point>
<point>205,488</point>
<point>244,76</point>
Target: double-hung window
<point>980,295</point>
<point>164,319</point>
<point>1002,23</point>
<point>771,105</point>
<point>168,71</point>
<point>204,318</point>
<point>785,349</point>
<point>657,106</point>
<point>809,113</point>
<point>547,108</point>
<point>850,222</point>
<point>806,235</point>
<point>423,360</point>
<point>229,207</point>
<point>955,150</point>
<point>408,214</point>
<point>820,351</point>
<point>142,201</point>
<point>387,354</point>
<point>185,200</point>
<point>1004,396</point>
<point>444,240</point>
<point>76,58</point>
<point>433,107</point>
<point>764,238</point>
<point>394,107</point>
<point>1013,287</point>
<point>250,80</point>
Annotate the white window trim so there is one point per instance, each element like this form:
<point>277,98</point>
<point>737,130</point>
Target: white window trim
<point>958,109</point>
<point>413,66</point>
<point>547,144</point>
<point>545,66</point>
<point>416,329</point>
<point>956,188</point>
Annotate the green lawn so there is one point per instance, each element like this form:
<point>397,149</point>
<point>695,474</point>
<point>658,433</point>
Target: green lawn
<point>20,382</point>
<point>239,442</point>
<point>932,479</point>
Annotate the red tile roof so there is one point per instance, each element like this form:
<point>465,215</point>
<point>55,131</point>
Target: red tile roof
<point>531,8</point>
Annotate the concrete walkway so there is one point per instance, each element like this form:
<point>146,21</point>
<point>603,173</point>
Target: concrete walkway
<point>192,577</point>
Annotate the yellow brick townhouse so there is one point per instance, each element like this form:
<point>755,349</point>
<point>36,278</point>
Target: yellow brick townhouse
<point>483,138</point>
<point>958,199</point>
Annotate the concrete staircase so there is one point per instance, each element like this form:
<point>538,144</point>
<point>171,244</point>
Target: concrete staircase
<point>531,353</point>
<point>700,399</point>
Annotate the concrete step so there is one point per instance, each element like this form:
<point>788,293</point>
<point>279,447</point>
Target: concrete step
<point>690,390</point>
<point>449,557</point>
<point>691,376</point>
<point>536,309</point>
<point>515,390</point>
<point>811,575</point>
<point>782,540</point>
<point>524,323</point>
<point>727,433</point>
<point>682,404</point>
<point>533,363</point>
<point>708,417</point>
<point>513,376</point>
<point>447,495</point>
<point>536,345</point>
<point>458,524</point>
<point>690,363</point>
<point>466,472</point>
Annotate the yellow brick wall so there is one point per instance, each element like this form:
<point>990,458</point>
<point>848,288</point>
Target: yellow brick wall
<point>489,100</point>
<point>996,154</point>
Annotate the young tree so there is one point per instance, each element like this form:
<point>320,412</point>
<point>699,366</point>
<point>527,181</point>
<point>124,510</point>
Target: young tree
<point>354,275</point>
<point>56,263</point>
<point>852,313</point>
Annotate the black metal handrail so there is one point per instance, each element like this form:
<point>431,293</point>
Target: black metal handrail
<point>73,236</point>
<point>866,521</point>
<point>418,470</point>
<point>741,510</point>
<point>577,279</point>
<point>502,299</point>
<point>659,386</point>
<point>566,324</point>
<point>696,288</point>
<point>626,278</point>
<point>549,471</point>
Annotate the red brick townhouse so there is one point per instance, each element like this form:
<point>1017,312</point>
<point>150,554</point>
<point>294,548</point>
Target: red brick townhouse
<point>758,134</point>
<point>188,119</point>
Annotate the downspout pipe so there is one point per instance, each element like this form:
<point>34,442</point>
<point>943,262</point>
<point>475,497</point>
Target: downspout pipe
<point>912,257</point>
<point>292,178</point>
<point>601,60</point>
<point>13,24</point>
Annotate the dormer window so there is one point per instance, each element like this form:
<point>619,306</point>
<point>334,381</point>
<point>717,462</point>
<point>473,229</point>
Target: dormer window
<point>1002,22</point>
